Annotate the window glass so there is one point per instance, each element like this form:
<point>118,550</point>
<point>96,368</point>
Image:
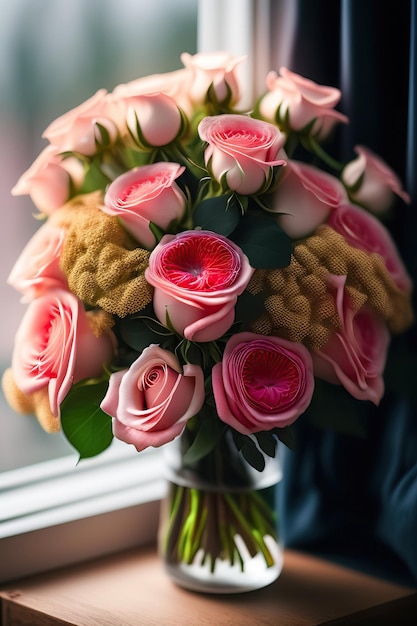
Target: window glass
<point>54,55</point>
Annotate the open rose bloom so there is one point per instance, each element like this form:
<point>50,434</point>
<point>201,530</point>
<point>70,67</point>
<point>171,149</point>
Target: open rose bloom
<point>200,268</point>
<point>197,277</point>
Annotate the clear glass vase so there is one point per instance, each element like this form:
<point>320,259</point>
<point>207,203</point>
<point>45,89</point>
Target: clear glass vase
<point>219,523</point>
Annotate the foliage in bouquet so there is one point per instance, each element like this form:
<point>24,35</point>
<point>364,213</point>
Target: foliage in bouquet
<point>201,267</point>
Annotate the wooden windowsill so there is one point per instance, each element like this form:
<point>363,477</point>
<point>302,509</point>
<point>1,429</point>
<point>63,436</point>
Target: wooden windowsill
<point>132,589</point>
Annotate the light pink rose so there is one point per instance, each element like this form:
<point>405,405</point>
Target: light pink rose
<point>262,382</point>
<point>241,151</point>
<point>197,276</point>
<point>377,182</point>
<point>143,194</point>
<point>364,231</point>
<point>152,401</point>
<point>152,119</point>
<point>302,100</point>
<point>37,267</point>
<point>49,179</point>
<point>55,347</point>
<point>216,70</point>
<point>175,84</point>
<point>355,355</point>
<point>305,197</point>
<point>78,130</point>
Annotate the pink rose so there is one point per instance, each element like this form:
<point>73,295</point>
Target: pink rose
<point>241,151</point>
<point>147,193</point>
<point>364,231</point>
<point>302,101</point>
<point>49,179</point>
<point>78,129</point>
<point>197,276</point>
<point>55,347</point>
<point>152,119</point>
<point>175,84</point>
<point>37,268</point>
<point>262,382</point>
<point>304,198</point>
<point>152,401</point>
<point>355,355</point>
<point>216,70</point>
<point>371,182</point>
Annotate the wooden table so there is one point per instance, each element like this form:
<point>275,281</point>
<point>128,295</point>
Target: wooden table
<point>132,589</point>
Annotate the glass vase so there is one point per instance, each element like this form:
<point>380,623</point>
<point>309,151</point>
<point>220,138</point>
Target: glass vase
<point>219,524</point>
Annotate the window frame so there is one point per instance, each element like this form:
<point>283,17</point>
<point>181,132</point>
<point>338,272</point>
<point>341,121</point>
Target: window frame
<point>57,513</point>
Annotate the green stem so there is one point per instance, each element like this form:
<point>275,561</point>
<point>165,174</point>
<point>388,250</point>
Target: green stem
<point>252,535</point>
<point>209,521</point>
<point>312,144</point>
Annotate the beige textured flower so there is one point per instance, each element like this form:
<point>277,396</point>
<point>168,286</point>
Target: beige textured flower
<point>298,304</point>
<point>103,264</point>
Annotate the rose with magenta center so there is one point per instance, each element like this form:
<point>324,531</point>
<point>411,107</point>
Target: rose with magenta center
<point>197,276</point>
<point>145,194</point>
<point>262,382</point>
<point>152,401</point>
<point>241,151</point>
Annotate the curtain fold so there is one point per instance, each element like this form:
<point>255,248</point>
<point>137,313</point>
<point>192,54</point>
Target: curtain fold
<point>353,499</point>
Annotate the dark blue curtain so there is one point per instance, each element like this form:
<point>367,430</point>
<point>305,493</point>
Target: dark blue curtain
<point>350,498</point>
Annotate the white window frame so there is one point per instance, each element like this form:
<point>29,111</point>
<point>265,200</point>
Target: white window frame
<point>57,513</point>
<point>240,27</point>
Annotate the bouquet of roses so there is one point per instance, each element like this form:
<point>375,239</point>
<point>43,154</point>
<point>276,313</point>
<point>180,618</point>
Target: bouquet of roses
<point>202,269</point>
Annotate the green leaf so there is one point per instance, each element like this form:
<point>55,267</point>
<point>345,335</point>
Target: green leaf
<point>192,352</point>
<point>249,450</point>
<point>263,241</point>
<point>206,439</point>
<point>249,308</point>
<point>285,435</point>
<point>333,407</point>
<point>87,428</point>
<point>253,456</point>
<point>139,332</point>
<point>218,214</point>
<point>267,443</point>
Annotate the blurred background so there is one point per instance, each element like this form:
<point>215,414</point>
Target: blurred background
<point>54,55</point>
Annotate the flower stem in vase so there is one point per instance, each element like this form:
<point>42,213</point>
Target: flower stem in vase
<point>218,537</point>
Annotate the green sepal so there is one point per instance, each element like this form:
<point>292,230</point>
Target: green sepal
<point>94,178</point>
<point>105,139</point>
<point>356,186</point>
<point>215,105</point>
<point>263,241</point>
<point>156,231</point>
<point>217,214</point>
<point>87,428</point>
